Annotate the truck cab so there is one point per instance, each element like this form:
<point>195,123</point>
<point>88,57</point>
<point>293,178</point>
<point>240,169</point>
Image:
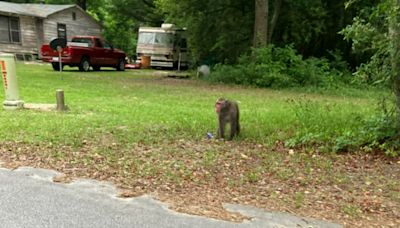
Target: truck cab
<point>85,52</point>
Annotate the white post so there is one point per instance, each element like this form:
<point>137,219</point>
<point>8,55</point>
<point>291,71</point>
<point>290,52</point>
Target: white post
<point>8,73</point>
<point>59,49</point>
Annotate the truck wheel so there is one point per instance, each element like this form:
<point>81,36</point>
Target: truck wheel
<point>84,65</point>
<point>96,68</point>
<point>56,66</point>
<point>121,65</point>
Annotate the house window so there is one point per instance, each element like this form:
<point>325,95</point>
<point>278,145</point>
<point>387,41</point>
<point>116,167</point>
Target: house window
<point>74,16</point>
<point>10,31</point>
<point>61,31</point>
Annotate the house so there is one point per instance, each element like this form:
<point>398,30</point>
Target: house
<point>25,27</point>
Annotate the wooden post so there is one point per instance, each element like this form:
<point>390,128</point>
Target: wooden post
<point>60,100</point>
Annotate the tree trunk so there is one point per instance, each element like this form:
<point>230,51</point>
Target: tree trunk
<point>261,23</point>
<point>81,3</point>
<point>394,32</point>
<point>277,11</point>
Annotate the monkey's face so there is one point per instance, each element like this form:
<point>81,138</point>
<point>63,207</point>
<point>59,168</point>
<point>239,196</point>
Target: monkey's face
<point>220,105</point>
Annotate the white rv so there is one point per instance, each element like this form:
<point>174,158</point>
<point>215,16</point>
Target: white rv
<point>166,46</point>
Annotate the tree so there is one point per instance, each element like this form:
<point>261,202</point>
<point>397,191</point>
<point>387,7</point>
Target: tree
<point>219,30</point>
<point>260,38</point>
<point>394,32</point>
<point>274,20</point>
<point>370,41</point>
<point>81,3</point>
<point>142,11</point>
<point>263,28</point>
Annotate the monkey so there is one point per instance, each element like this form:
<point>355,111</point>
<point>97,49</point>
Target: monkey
<point>227,112</point>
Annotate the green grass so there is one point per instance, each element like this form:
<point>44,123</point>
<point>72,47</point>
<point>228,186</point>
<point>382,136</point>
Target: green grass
<point>136,106</point>
<point>147,134</point>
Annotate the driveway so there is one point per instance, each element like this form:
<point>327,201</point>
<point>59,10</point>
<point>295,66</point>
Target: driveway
<point>29,198</point>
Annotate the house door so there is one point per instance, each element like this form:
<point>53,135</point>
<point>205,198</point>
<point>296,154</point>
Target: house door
<point>62,31</point>
<point>39,35</point>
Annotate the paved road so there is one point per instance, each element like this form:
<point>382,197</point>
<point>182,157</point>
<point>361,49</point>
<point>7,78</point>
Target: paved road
<point>28,198</point>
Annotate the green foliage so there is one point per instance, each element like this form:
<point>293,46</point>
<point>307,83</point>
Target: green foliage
<point>222,30</point>
<point>351,210</point>
<point>118,29</point>
<point>320,123</point>
<point>277,68</point>
<point>299,199</point>
<point>141,11</point>
<point>379,132</point>
<point>122,34</point>
<point>370,38</point>
<point>304,21</point>
<point>219,31</point>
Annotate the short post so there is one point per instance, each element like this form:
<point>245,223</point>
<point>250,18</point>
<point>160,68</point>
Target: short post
<point>60,100</point>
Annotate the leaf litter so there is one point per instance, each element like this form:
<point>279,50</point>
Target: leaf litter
<point>198,177</point>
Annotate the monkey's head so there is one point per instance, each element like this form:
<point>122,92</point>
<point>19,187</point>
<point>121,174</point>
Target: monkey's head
<point>220,105</point>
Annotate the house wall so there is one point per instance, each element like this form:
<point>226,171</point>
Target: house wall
<point>83,25</point>
<point>36,31</point>
<point>28,38</point>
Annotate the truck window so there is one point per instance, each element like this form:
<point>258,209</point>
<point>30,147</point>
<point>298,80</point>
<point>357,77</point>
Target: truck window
<point>98,43</point>
<point>106,45</point>
<point>83,40</point>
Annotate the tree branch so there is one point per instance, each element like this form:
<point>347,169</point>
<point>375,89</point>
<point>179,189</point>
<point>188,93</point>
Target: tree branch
<point>277,11</point>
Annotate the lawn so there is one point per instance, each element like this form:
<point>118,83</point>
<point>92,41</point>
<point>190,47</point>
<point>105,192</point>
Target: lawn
<point>137,107</point>
<point>147,134</point>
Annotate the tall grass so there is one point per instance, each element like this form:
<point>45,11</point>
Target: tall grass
<point>135,105</point>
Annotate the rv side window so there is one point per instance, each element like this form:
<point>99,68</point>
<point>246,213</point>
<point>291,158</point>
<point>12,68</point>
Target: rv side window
<point>163,38</point>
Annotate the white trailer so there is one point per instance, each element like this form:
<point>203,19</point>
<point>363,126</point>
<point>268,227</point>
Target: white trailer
<point>166,46</point>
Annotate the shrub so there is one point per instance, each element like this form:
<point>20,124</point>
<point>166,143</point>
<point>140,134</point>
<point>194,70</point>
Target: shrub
<point>276,67</point>
<point>315,124</point>
<point>380,132</point>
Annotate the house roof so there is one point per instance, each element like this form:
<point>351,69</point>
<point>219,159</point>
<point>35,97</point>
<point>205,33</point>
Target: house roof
<point>34,10</point>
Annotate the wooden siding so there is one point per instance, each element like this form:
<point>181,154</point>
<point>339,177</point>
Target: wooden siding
<point>28,38</point>
<point>83,25</point>
<point>37,31</point>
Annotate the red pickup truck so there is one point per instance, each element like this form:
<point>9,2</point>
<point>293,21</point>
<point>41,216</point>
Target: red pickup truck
<point>85,52</point>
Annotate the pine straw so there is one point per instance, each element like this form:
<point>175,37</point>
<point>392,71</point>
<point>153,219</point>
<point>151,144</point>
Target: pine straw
<point>197,177</point>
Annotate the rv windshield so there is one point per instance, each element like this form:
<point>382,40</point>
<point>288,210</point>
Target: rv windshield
<point>163,39</point>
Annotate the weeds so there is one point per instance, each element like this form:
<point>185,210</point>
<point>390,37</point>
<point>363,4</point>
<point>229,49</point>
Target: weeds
<point>351,210</point>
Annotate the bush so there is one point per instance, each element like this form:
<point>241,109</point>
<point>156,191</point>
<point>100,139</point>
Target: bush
<point>380,132</point>
<point>276,67</point>
<point>321,125</point>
